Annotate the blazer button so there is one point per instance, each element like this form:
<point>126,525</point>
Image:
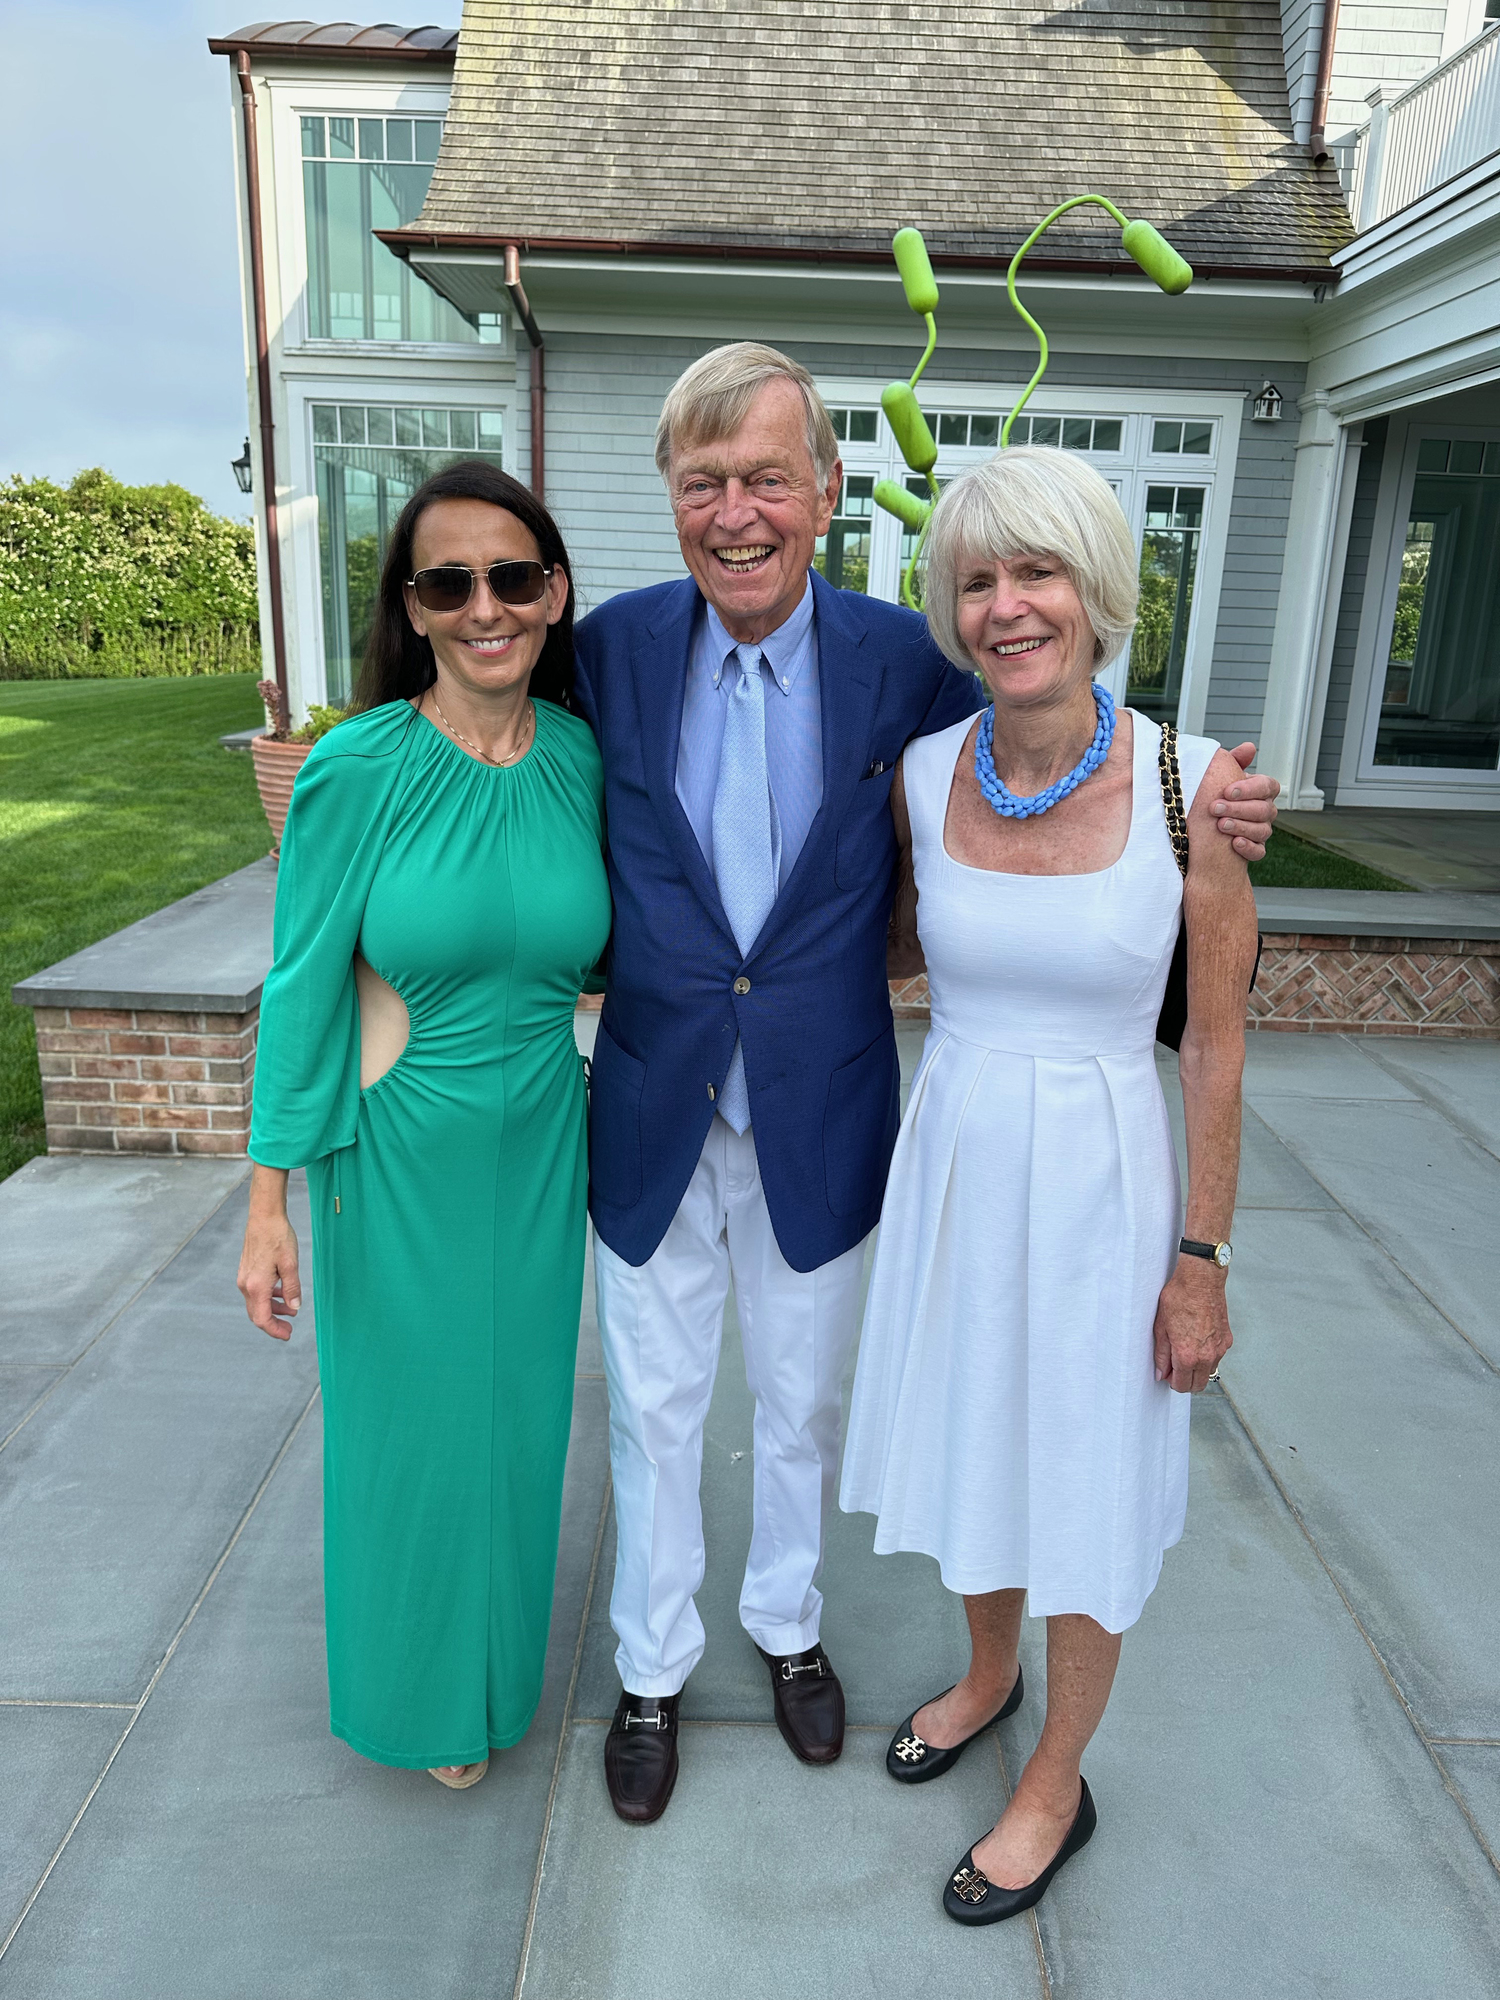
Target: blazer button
<point>742,984</point>
<point>712,1094</point>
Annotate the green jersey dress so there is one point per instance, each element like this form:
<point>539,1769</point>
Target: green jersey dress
<point>448,1203</point>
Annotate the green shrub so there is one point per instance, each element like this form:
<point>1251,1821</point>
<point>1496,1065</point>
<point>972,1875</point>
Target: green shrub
<point>100,581</point>
<point>319,721</point>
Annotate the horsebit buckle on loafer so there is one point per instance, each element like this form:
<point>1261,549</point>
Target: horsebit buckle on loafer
<point>634,1721</point>
<point>789,1669</point>
<point>910,1749</point>
<point>971,1886</point>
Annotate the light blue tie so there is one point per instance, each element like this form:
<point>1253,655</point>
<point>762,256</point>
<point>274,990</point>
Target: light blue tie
<point>747,840</point>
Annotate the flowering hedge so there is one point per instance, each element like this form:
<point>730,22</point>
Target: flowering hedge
<point>100,579</point>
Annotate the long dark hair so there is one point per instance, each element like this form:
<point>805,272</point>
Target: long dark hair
<point>398,661</point>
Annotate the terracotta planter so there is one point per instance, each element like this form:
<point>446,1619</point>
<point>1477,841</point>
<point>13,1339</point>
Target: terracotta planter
<point>276,768</point>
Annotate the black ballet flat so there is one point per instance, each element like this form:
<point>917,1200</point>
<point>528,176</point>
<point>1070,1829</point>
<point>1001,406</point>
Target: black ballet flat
<point>970,1897</point>
<point>912,1761</point>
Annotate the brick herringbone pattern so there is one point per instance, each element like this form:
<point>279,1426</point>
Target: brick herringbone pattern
<point>1378,986</point>
<point>909,1000</point>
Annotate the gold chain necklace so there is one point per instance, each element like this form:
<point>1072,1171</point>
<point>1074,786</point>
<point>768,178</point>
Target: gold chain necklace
<point>498,762</point>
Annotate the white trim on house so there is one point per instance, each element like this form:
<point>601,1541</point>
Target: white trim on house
<point>1361,782</point>
<point>741,299</point>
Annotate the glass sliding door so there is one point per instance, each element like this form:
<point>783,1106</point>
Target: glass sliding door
<point>1169,569</point>
<point>369,459</point>
<point>1440,701</point>
<point>843,554</point>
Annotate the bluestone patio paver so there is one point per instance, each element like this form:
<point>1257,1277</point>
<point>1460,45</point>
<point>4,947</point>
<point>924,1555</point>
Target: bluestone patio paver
<point>130,1478</point>
<point>1382,1424</point>
<point>1282,1811</point>
<point>80,1237</point>
<point>1430,1196</point>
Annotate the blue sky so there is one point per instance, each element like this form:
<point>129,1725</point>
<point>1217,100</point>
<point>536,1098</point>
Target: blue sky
<point>120,341</point>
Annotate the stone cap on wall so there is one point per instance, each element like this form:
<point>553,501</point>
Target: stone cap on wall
<point>208,953</point>
<point>1420,913</point>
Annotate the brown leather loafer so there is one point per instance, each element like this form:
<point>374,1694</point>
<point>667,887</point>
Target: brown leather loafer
<point>809,1703</point>
<point>640,1756</point>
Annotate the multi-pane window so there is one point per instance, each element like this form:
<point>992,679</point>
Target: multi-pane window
<point>369,460</point>
<point>1072,433</point>
<point>1171,435</point>
<point>1440,703</point>
<point>360,175</point>
<point>1169,569</point>
<point>843,554</point>
<point>855,426</point>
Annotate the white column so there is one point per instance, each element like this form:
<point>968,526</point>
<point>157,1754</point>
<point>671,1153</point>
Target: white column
<point>1310,538</point>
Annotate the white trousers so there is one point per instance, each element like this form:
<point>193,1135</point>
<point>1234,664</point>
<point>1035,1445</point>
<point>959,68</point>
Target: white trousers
<point>661,1325</point>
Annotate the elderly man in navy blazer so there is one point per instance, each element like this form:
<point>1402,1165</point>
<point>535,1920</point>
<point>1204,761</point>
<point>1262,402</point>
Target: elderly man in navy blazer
<point>745,1086</point>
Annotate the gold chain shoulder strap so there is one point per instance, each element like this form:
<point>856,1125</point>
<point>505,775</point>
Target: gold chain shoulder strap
<point>1171,795</point>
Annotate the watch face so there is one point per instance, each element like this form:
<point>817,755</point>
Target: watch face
<point>1222,1255</point>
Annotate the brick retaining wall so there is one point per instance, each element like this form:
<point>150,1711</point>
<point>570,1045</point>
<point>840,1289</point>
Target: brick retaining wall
<point>131,1081</point>
<point>1335,983</point>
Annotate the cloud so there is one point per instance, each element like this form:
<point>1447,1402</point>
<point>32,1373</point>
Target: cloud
<point>120,332</point>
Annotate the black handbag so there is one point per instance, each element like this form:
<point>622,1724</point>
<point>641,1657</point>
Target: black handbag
<point>1171,1023</point>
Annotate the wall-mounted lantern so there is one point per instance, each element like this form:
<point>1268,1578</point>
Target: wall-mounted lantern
<point>240,467</point>
<point>1266,409</point>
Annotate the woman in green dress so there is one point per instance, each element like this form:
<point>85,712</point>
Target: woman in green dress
<point>441,900</point>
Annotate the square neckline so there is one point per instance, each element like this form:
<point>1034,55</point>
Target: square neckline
<point>1050,875</point>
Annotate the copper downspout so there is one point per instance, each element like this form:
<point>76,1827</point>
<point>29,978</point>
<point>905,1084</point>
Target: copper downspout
<point>522,305</point>
<point>263,381</point>
<point>1317,139</point>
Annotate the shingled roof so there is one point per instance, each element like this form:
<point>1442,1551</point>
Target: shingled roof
<point>817,127</point>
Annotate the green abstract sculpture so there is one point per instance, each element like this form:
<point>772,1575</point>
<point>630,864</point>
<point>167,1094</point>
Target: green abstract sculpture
<point>1147,246</point>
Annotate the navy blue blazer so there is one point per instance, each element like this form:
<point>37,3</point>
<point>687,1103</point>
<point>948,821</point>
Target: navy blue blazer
<point>820,1046</point>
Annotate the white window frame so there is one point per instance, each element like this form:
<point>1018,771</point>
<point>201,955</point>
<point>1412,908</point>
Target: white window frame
<point>292,99</point>
<point>1133,468</point>
<point>1361,781</point>
<point>300,511</point>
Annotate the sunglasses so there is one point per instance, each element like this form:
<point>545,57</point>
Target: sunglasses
<point>450,586</point>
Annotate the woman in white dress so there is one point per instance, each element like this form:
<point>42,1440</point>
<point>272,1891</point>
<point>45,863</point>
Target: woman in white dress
<point>1035,1320</point>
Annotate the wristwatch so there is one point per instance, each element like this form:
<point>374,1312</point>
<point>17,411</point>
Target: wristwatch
<point>1216,1253</point>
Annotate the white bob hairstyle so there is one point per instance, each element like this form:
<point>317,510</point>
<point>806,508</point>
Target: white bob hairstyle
<point>712,399</point>
<point>1033,500</point>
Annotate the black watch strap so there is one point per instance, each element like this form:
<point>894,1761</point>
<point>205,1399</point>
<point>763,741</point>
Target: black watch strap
<point>1216,1253</point>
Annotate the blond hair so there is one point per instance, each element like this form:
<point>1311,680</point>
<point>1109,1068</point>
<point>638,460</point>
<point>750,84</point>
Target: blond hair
<point>712,399</point>
<point>1033,500</point>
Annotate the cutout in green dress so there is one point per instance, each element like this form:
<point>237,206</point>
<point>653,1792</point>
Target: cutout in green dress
<point>448,1203</point>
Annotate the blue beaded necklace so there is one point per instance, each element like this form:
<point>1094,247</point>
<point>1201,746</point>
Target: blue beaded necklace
<point>1006,802</point>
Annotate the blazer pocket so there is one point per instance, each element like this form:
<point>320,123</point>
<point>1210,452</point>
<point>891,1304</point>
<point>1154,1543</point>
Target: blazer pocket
<point>859,1125</point>
<point>615,1123</point>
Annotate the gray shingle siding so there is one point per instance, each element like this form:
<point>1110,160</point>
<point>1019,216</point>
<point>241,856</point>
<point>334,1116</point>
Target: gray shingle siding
<point>1351,605</point>
<point>604,392</point>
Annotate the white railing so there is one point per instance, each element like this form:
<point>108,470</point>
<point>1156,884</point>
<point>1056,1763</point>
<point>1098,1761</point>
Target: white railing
<point>1425,135</point>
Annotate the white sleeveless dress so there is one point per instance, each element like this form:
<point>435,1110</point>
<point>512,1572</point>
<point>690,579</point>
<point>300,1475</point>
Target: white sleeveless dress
<point>1006,1416</point>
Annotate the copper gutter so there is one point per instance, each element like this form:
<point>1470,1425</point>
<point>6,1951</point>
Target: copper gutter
<point>263,380</point>
<point>404,241</point>
<point>524,314</point>
<point>1317,139</point>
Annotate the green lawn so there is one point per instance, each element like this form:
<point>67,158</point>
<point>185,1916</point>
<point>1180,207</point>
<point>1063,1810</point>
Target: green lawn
<point>1293,863</point>
<point>115,799</point>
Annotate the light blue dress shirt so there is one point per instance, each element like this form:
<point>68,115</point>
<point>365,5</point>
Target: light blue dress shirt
<point>794,727</point>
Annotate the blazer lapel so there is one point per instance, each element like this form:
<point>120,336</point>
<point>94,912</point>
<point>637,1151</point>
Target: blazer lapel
<point>660,665</point>
<point>848,690</point>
